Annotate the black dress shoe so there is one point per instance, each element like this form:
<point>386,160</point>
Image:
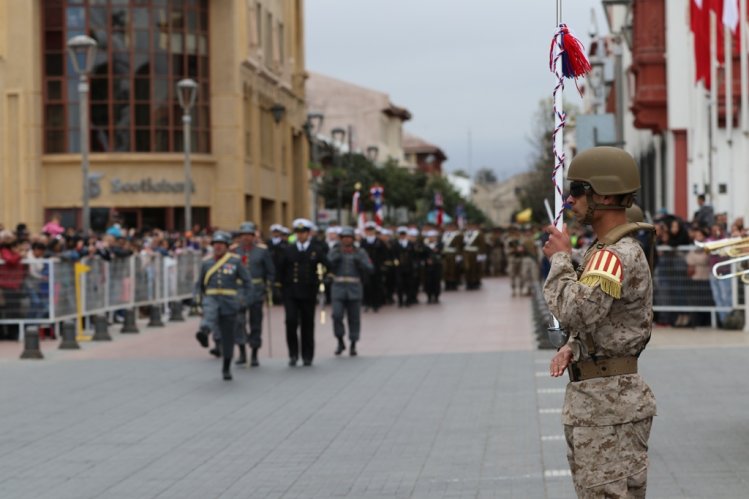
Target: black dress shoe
<point>227,376</point>
<point>253,360</point>
<point>202,338</point>
<point>308,363</point>
<point>352,352</point>
<point>293,361</point>
<point>215,351</point>
<point>340,348</point>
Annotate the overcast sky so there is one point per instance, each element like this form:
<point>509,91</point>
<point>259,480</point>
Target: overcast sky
<point>456,65</point>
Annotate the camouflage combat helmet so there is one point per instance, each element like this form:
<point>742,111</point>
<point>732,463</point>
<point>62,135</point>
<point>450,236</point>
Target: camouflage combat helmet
<point>221,237</point>
<point>608,170</point>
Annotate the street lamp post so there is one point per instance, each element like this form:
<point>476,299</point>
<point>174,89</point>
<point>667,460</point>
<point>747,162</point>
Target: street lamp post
<point>313,126</point>
<point>83,47</point>
<point>187,91</point>
<point>372,153</point>
<point>338,135</point>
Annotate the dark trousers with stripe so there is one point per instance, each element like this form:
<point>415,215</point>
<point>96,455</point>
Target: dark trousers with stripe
<point>300,312</point>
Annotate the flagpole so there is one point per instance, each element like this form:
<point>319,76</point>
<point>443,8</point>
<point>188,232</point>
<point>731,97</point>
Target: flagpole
<point>728,64</point>
<point>744,67</point>
<point>713,99</point>
<point>558,135</point>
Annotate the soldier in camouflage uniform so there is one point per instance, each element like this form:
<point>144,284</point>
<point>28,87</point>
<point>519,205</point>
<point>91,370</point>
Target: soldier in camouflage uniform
<point>606,307</point>
<point>226,287</point>
<point>350,266</point>
<point>452,251</point>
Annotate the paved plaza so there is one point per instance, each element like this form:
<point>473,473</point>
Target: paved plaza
<point>449,400</point>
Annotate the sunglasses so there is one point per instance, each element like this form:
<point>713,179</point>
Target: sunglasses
<point>578,189</point>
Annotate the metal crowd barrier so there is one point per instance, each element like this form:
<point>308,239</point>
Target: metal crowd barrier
<point>675,292</point>
<point>43,291</point>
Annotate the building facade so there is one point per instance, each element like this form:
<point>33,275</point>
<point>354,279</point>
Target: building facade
<point>248,147</point>
<point>423,156</point>
<point>373,124</point>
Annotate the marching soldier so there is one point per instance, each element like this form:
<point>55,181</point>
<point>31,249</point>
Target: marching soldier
<point>516,253</point>
<point>350,265</point>
<point>432,266</point>
<point>331,240</point>
<point>226,286</point>
<point>276,244</point>
<point>403,251</point>
<point>388,266</point>
<point>606,306</point>
<point>452,250</point>
<point>474,255</point>
<point>258,261</point>
<point>377,251</point>
<point>298,271</point>
<point>418,265</point>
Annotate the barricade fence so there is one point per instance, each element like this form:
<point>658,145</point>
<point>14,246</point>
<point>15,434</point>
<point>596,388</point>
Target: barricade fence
<point>685,292</point>
<point>43,291</point>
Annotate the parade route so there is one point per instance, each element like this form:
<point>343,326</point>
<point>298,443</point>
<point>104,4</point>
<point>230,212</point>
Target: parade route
<point>448,400</point>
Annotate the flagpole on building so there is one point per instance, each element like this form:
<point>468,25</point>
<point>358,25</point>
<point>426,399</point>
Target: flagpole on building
<point>713,101</point>
<point>744,67</point>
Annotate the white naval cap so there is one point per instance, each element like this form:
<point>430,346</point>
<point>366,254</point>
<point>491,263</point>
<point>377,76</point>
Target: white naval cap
<point>386,232</point>
<point>402,229</point>
<point>302,224</point>
<point>333,230</point>
<point>432,233</point>
<point>276,228</point>
<point>413,232</point>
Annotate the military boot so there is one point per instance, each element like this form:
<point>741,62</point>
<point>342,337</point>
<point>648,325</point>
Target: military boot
<point>242,360</point>
<point>216,350</point>
<point>341,347</point>
<point>253,360</point>
<point>227,370</point>
<point>202,337</point>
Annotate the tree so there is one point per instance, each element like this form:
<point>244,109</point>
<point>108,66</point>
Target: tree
<point>485,176</point>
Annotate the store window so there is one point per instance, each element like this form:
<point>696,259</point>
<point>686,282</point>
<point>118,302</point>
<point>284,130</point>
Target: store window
<point>144,48</point>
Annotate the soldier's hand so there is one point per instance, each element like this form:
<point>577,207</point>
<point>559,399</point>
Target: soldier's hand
<point>558,241</point>
<point>560,361</point>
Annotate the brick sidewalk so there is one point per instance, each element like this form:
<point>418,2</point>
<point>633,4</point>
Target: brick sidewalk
<point>446,401</point>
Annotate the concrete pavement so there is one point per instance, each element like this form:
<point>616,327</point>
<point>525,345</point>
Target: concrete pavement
<point>444,401</point>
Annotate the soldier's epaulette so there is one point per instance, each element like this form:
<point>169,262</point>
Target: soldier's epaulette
<point>604,269</point>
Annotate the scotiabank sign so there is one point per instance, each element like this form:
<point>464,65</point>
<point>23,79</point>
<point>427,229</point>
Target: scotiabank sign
<point>148,186</point>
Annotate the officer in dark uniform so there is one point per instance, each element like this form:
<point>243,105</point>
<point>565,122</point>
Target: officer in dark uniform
<point>414,238</point>
<point>452,251</point>
<point>257,259</point>
<point>432,266</point>
<point>276,244</point>
<point>226,286</point>
<point>298,272</point>
<point>403,251</point>
<point>374,286</point>
<point>388,266</point>
<point>474,256</point>
<point>350,265</point>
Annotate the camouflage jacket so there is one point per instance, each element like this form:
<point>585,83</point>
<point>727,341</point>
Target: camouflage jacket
<point>616,318</point>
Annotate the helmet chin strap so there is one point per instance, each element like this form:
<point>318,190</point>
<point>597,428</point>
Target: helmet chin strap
<point>593,206</point>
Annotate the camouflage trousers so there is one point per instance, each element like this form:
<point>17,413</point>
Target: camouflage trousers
<point>609,461</point>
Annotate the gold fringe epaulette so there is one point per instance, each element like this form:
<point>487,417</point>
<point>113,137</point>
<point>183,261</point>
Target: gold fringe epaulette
<point>605,270</point>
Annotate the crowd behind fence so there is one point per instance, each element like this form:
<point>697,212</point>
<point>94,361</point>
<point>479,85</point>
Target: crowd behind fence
<point>46,292</point>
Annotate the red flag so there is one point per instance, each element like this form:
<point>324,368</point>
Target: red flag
<point>699,19</point>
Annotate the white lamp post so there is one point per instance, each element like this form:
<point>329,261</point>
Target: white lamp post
<point>82,50</point>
